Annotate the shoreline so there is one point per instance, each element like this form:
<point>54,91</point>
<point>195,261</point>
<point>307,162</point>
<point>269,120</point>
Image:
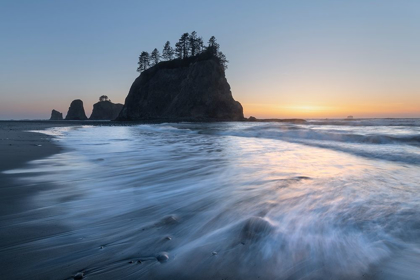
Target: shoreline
<point>65,224</point>
<point>18,147</point>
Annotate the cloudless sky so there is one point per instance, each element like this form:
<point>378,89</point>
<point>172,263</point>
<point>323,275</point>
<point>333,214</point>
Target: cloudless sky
<point>300,59</point>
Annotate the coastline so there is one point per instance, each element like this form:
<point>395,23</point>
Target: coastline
<point>18,146</point>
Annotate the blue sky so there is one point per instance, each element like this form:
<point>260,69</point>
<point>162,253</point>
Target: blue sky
<point>287,58</point>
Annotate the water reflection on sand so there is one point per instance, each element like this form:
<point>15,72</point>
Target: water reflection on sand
<point>202,201</point>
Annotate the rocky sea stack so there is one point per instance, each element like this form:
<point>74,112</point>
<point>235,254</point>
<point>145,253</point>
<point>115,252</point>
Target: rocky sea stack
<point>192,88</point>
<point>76,111</point>
<point>105,110</point>
<point>56,116</point>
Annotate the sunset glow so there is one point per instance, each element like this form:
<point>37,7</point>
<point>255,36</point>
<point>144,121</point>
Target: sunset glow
<point>293,60</point>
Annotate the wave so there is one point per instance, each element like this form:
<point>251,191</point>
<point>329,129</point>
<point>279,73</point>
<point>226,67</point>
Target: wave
<point>294,133</point>
<point>166,205</point>
<point>385,143</point>
<point>412,122</point>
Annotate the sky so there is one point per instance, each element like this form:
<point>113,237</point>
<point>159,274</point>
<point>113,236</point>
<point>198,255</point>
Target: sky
<point>287,59</point>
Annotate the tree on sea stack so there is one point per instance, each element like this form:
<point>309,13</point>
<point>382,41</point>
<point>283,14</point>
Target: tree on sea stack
<point>104,98</point>
<point>199,45</point>
<point>168,52</point>
<point>222,59</point>
<point>155,57</point>
<point>188,46</point>
<point>182,48</point>
<point>144,61</point>
<point>178,51</point>
<point>213,46</point>
<point>193,44</point>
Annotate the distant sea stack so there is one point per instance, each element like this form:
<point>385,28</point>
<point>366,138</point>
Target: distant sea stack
<point>189,87</point>
<point>105,110</point>
<point>76,111</point>
<point>56,116</point>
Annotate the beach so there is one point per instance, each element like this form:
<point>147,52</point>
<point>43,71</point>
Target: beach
<point>18,146</point>
<point>236,200</point>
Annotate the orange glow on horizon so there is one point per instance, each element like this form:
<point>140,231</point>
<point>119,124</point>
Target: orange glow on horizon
<point>319,111</point>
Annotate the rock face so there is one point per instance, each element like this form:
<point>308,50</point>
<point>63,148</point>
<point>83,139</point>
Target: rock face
<point>76,111</point>
<point>190,89</point>
<point>105,110</point>
<point>56,116</point>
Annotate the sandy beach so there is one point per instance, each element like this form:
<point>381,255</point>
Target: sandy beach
<point>17,148</point>
<point>234,200</point>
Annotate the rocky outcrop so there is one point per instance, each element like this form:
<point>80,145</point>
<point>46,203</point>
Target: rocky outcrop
<point>190,89</point>
<point>56,116</point>
<point>76,111</point>
<point>105,110</point>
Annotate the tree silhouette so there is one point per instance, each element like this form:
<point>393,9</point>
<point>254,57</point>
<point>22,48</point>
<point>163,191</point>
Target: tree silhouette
<point>193,43</point>
<point>168,52</point>
<point>144,61</point>
<point>178,50</point>
<point>155,57</point>
<point>188,45</point>
<point>103,98</point>
<point>199,45</point>
<point>213,46</point>
<point>222,59</point>
<point>182,47</point>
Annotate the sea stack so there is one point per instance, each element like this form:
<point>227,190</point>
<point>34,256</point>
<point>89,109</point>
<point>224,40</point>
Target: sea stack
<point>105,110</point>
<point>76,111</point>
<point>56,116</point>
<point>193,88</point>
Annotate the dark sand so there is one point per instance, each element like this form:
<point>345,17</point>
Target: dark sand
<point>17,148</point>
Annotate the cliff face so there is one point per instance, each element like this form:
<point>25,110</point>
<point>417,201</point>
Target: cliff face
<point>56,116</point>
<point>194,89</point>
<point>76,111</point>
<point>105,110</point>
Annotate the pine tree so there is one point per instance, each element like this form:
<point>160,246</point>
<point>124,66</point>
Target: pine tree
<point>144,61</point>
<point>213,46</point>
<point>183,45</point>
<point>199,45</point>
<point>139,69</point>
<point>222,59</point>
<point>168,52</point>
<point>193,43</point>
<point>178,50</point>
<point>155,57</point>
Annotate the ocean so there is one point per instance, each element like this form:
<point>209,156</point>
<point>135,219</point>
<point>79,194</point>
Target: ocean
<point>326,199</point>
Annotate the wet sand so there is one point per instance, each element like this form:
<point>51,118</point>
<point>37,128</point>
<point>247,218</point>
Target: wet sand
<point>17,148</point>
<point>60,227</point>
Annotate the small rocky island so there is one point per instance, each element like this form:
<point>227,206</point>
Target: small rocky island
<point>105,109</point>
<point>190,84</point>
<point>56,116</point>
<point>76,111</point>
